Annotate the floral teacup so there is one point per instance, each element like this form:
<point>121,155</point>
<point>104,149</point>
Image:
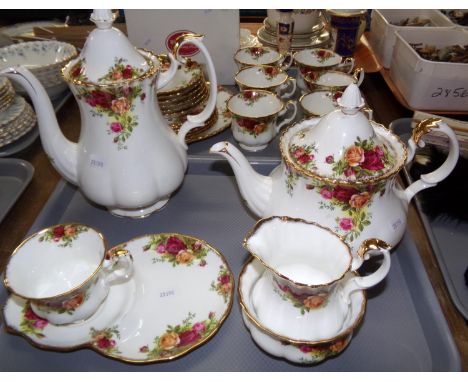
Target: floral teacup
<point>65,272</point>
<point>333,80</point>
<point>305,290</point>
<point>255,117</point>
<point>269,78</point>
<point>263,55</point>
<point>319,59</point>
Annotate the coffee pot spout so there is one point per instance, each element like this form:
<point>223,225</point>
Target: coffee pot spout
<point>61,151</point>
<point>256,189</point>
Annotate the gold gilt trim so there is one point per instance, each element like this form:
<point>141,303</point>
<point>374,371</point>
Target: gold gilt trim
<point>424,127</point>
<point>372,244</point>
<point>336,181</point>
<point>89,345</point>
<point>182,38</point>
<point>257,225</point>
<point>246,86</point>
<point>149,57</point>
<point>71,291</point>
<point>255,91</point>
<point>247,64</point>
<point>289,340</point>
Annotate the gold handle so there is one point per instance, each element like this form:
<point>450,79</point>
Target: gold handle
<point>182,38</point>
<point>424,127</point>
<point>369,244</point>
<point>356,73</point>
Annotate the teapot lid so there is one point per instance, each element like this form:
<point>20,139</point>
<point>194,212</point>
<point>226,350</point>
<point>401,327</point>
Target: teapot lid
<point>107,55</point>
<point>342,146</point>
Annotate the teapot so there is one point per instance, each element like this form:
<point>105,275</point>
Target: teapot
<point>340,170</point>
<point>127,157</point>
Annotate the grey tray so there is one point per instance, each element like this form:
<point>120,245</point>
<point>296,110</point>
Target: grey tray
<point>15,175</point>
<point>449,239</point>
<point>403,329</point>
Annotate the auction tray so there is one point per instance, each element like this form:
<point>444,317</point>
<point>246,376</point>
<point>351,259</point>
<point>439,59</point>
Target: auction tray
<point>403,328</point>
<point>448,237</point>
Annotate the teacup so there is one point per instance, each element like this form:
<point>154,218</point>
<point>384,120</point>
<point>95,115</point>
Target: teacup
<point>255,116</point>
<point>263,55</point>
<point>64,272</point>
<point>320,102</point>
<point>319,59</point>
<point>333,80</point>
<point>305,291</point>
<point>266,77</point>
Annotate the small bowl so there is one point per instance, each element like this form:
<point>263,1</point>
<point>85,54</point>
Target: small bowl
<point>299,351</point>
<point>44,59</point>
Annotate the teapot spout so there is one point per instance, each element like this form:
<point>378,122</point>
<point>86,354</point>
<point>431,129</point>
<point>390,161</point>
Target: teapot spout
<point>62,152</point>
<point>256,189</point>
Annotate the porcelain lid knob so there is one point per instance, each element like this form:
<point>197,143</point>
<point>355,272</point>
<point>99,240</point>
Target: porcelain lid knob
<point>103,18</point>
<point>351,100</point>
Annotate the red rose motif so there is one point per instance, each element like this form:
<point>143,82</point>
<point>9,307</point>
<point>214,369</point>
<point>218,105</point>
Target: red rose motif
<point>127,72</point>
<point>329,159</point>
<point>248,94</point>
<point>378,150</point>
<point>346,224</point>
<point>343,194</point>
<point>199,327</point>
<point>326,193</point>
<point>144,349</point>
<point>305,158</point>
<point>372,161</point>
<point>59,231</point>
<point>76,71</point>
<point>188,337</point>
<point>142,96</point>
<point>224,279</point>
<point>349,172</point>
<point>105,343</point>
<point>99,98</point>
<point>211,315</point>
<point>116,127</point>
<point>30,315</point>
<point>306,348</point>
<point>40,324</point>
<point>174,245</point>
<point>248,124</point>
<point>196,246</point>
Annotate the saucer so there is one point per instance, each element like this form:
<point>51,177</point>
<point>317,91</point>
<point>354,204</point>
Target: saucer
<point>178,298</point>
<point>299,351</point>
<point>316,40</point>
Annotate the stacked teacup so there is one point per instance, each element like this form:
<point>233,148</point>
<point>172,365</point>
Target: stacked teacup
<point>16,116</point>
<point>186,94</point>
<point>300,295</point>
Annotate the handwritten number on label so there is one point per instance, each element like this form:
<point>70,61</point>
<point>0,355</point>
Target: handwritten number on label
<point>455,93</point>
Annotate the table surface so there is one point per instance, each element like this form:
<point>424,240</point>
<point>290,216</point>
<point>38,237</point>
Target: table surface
<point>386,109</point>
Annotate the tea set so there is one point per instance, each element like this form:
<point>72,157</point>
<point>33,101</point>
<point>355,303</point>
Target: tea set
<point>330,205</point>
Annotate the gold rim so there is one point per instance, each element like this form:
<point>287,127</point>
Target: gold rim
<point>255,118</point>
<point>151,72</point>
<point>312,82</point>
<point>300,63</point>
<point>240,83</point>
<point>74,289</point>
<point>272,63</point>
<point>295,220</point>
<point>194,100</point>
<point>304,109</point>
<point>182,95</point>
<point>282,338</point>
<point>299,169</point>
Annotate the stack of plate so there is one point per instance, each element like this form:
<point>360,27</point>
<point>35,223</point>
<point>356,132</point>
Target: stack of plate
<point>16,120</point>
<point>186,94</point>
<point>318,37</point>
<point>7,93</point>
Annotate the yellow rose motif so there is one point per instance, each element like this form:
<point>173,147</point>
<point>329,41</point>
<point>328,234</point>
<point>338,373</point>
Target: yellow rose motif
<point>359,200</point>
<point>120,105</point>
<point>337,346</point>
<point>354,156</point>
<point>184,257</point>
<point>313,302</point>
<point>169,340</point>
<point>69,230</point>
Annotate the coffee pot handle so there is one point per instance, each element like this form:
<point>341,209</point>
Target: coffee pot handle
<point>434,177</point>
<point>368,248</point>
<point>200,118</point>
<point>118,265</point>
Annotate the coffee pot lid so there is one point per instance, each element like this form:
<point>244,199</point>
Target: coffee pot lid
<point>343,146</point>
<point>107,55</point>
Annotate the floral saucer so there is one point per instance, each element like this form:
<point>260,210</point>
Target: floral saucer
<point>179,296</point>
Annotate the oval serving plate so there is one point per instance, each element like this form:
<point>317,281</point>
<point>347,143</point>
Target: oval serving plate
<point>179,295</point>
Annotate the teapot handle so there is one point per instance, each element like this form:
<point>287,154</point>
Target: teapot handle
<point>434,177</point>
<point>368,247</point>
<point>198,119</point>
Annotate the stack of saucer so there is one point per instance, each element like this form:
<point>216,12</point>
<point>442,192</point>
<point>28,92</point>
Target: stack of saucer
<point>186,94</point>
<point>16,116</point>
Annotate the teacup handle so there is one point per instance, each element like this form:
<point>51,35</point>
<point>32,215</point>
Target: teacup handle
<point>288,58</point>
<point>289,119</point>
<point>118,265</point>
<point>368,247</point>
<point>436,176</point>
<point>289,81</point>
<point>358,76</point>
<point>348,61</point>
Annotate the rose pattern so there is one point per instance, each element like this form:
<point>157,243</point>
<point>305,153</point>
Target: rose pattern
<point>181,337</point>
<point>251,96</point>
<point>362,160</point>
<point>322,55</point>
<point>104,340</point>
<point>63,234</point>
<point>321,351</point>
<point>304,155</point>
<point>64,306</point>
<point>304,302</point>
<point>177,250</point>
<point>256,52</point>
<point>116,102</point>
<point>77,71</point>
<point>223,284</point>
<point>271,72</point>
<point>251,126</point>
<point>31,323</point>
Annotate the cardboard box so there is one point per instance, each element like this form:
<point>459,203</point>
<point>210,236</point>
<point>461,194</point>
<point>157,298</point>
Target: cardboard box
<point>154,29</point>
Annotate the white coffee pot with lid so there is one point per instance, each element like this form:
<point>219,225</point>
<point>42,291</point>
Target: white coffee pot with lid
<point>127,158</point>
<point>340,171</point>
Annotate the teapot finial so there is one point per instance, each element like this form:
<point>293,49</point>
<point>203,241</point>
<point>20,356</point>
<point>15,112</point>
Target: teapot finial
<point>351,101</point>
<point>103,18</point>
